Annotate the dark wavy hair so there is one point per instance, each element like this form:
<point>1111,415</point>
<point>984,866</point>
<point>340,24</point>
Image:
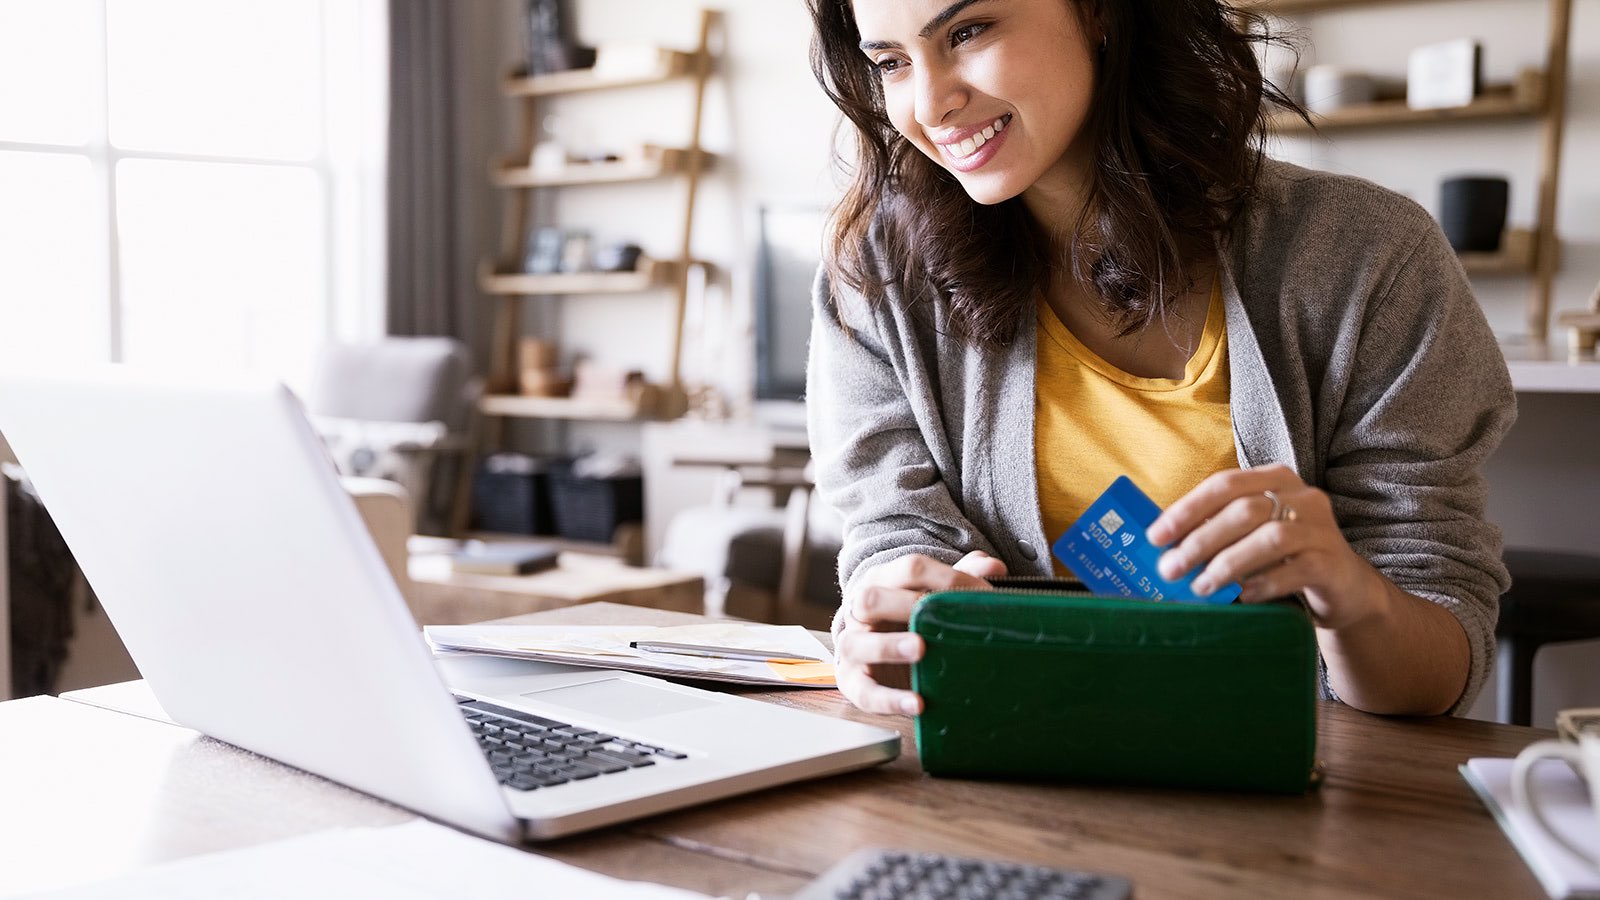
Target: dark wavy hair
<point>1177,125</point>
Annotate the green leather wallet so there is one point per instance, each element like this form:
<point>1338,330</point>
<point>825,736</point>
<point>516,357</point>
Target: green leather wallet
<point>1048,682</point>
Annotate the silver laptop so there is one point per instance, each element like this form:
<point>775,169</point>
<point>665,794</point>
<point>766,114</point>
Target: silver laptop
<point>214,529</point>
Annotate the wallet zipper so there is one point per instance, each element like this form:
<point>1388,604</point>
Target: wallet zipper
<point>1039,585</point>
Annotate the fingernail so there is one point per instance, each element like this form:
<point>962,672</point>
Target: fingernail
<point>1169,566</point>
<point>1203,586</point>
<point>1156,533</point>
<point>908,706</point>
<point>910,647</point>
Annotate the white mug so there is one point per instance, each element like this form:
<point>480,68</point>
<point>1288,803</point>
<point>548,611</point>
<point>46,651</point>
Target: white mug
<point>1584,756</point>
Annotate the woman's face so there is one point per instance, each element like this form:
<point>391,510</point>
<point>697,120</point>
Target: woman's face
<point>995,91</point>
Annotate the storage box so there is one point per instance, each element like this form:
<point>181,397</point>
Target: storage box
<point>511,494</point>
<point>590,509</point>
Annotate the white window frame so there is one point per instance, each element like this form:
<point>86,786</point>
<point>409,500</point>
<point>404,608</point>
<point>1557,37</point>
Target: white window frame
<point>349,164</point>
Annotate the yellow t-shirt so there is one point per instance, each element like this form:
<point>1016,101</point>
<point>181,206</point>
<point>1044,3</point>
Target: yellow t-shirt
<point>1094,422</point>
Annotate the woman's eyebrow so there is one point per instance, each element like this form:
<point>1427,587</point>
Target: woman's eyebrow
<point>944,15</point>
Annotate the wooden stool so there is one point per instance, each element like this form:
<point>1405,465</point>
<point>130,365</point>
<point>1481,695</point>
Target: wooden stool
<point>1554,598</point>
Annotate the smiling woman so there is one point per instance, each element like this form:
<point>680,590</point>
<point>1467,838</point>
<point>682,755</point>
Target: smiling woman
<point>1063,258</point>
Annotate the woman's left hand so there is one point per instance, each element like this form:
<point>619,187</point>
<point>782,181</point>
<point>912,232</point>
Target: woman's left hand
<point>1274,535</point>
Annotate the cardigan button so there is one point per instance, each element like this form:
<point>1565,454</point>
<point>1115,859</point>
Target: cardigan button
<point>1027,551</point>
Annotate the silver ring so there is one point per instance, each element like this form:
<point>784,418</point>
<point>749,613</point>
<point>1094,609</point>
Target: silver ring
<point>1281,512</point>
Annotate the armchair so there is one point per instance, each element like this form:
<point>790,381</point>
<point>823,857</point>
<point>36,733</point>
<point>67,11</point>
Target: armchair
<point>403,409</point>
<point>774,560</point>
<point>385,507</point>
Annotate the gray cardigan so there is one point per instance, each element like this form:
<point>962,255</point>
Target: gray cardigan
<point>1357,356</point>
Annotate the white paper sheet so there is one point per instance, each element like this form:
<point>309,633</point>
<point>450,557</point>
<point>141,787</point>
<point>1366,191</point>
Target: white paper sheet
<point>415,861</point>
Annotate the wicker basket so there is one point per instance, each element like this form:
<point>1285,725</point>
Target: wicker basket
<point>590,509</point>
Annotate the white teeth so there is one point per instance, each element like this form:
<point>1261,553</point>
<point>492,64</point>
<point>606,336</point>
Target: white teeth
<point>969,146</point>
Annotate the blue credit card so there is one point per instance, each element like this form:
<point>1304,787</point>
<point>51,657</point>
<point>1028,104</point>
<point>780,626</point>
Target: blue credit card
<point>1108,551</point>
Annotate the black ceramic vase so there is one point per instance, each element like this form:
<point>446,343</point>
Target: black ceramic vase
<point>551,47</point>
<point>1472,211</point>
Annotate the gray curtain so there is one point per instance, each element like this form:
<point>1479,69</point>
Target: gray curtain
<point>425,266</point>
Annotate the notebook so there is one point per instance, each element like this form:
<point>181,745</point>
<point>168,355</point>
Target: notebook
<point>213,527</point>
<point>1566,804</point>
<point>609,646</point>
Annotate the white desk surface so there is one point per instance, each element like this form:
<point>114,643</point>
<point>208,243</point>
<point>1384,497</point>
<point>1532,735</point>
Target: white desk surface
<point>91,794</point>
<point>102,787</point>
<point>1547,369</point>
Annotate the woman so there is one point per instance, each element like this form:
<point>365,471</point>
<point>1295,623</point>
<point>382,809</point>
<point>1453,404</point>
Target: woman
<point>1062,257</point>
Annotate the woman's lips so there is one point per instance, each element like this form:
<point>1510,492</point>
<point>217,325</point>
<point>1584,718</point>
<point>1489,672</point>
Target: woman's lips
<point>975,150</point>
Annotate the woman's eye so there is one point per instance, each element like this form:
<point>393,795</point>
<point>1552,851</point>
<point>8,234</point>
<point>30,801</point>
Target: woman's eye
<point>887,66</point>
<point>966,33</point>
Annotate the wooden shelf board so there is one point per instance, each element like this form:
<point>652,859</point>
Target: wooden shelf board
<point>1516,256</point>
<point>1505,101</point>
<point>674,64</point>
<point>663,162</point>
<point>563,545</point>
<point>1296,7</point>
<point>522,407</point>
<point>652,273</point>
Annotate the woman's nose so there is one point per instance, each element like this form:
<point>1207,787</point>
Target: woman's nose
<point>940,91</point>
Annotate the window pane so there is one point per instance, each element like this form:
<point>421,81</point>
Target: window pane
<point>223,266</point>
<point>52,249</point>
<point>48,69</point>
<point>218,77</point>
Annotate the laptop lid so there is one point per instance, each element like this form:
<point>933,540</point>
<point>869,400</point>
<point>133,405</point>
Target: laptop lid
<point>211,523</point>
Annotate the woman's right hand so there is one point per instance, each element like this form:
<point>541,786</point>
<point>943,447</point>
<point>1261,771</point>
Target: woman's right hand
<point>877,609</point>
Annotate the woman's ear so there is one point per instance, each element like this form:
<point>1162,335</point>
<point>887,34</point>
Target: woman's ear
<point>1092,14</point>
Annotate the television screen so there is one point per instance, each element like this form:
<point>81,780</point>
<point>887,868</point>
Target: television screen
<point>789,253</point>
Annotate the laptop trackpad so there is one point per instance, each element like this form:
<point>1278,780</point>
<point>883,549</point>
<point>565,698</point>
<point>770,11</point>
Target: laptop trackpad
<point>624,701</point>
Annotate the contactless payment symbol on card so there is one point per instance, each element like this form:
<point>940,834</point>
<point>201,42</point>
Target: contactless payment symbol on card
<point>1108,551</point>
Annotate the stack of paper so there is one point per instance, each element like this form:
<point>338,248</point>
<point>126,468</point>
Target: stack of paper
<point>608,647</point>
<point>1564,799</point>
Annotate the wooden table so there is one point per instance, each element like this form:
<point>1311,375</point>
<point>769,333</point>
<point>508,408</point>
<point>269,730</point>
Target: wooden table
<point>441,596</point>
<point>1393,818</point>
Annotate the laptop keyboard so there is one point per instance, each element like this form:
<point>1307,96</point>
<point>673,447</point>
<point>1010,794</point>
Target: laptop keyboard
<point>528,751</point>
<point>876,874</point>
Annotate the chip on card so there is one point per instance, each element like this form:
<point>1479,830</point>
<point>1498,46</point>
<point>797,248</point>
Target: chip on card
<point>1108,551</point>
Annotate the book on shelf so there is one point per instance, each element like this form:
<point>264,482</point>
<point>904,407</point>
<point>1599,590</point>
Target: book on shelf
<point>479,558</point>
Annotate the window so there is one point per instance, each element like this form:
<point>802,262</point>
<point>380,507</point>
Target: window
<point>195,183</point>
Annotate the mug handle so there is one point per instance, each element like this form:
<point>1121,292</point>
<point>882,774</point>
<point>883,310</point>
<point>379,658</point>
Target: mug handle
<point>1522,790</point>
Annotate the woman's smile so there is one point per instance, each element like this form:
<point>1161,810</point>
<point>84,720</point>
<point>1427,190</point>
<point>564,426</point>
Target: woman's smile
<point>969,149</point>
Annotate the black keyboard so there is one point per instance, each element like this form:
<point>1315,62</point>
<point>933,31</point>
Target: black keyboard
<point>528,751</point>
<point>897,875</point>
